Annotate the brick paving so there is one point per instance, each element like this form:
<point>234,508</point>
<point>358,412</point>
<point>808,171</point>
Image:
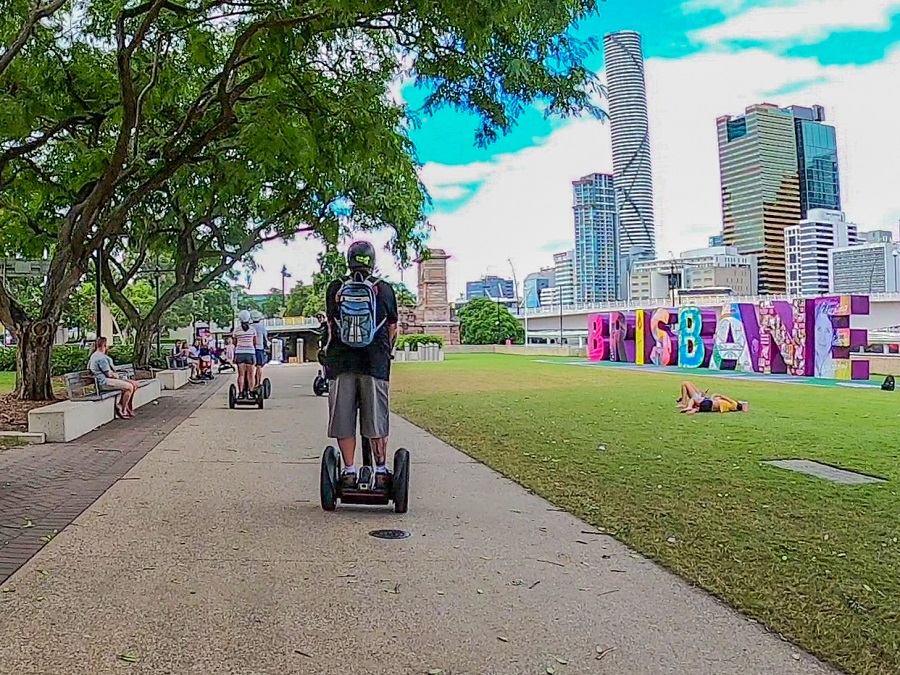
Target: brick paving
<point>43,488</point>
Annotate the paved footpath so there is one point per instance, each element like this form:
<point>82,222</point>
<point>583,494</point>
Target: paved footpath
<point>213,556</point>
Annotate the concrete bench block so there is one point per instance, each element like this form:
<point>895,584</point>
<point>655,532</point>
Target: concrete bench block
<point>22,437</point>
<point>67,420</point>
<point>173,379</point>
<point>149,391</point>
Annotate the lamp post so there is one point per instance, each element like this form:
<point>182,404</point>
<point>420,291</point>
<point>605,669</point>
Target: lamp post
<point>559,297</point>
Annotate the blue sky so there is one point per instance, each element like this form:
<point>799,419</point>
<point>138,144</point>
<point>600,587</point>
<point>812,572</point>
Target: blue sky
<point>705,58</point>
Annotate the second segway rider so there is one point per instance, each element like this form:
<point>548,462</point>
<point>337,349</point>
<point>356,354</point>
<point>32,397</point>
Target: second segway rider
<point>245,353</point>
<point>361,312</point>
<point>262,344</point>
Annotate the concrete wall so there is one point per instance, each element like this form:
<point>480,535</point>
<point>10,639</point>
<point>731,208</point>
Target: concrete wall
<point>881,365</point>
<point>521,350</point>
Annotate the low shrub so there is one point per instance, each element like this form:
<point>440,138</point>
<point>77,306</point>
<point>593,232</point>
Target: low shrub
<point>72,358</point>
<point>415,340</point>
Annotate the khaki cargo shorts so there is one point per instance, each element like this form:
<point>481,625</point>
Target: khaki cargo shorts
<point>349,393</point>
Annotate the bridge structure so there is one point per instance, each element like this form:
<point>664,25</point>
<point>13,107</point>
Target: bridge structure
<point>568,324</point>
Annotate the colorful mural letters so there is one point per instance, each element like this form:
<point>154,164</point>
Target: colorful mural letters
<point>804,337</point>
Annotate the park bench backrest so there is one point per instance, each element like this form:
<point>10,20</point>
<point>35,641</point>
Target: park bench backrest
<point>126,369</point>
<point>81,384</point>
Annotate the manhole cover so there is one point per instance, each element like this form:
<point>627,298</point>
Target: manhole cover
<point>389,534</point>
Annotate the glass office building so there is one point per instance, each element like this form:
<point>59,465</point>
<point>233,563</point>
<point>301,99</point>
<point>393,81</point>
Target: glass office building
<point>820,185</point>
<point>760,187</point>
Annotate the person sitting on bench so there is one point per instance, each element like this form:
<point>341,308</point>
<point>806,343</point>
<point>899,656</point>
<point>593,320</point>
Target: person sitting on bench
<point>104,371</point>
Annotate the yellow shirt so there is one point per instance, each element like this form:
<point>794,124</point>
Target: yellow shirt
<point>726,406</point>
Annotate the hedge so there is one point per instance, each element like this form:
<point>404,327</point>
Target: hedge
<point>72,358</point>
<point>415,340</point>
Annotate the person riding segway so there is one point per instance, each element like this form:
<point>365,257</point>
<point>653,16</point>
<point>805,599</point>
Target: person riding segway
<point>361,314</point>
<point>262,353</point>
<point>245,358</point>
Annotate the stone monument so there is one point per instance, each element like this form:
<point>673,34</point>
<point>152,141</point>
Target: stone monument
<point>431,316</point>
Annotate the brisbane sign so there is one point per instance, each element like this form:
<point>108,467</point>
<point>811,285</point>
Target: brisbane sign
<point>808,337</point>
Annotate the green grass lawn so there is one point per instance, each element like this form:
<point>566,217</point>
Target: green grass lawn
<point>7,382</point>
<point>815,561</point>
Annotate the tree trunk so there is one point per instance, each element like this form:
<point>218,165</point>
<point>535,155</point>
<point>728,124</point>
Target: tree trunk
<point>143,337</point>
<point>33,361</point>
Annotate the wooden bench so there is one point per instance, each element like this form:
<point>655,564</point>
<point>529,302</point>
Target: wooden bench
<point>88,406</point>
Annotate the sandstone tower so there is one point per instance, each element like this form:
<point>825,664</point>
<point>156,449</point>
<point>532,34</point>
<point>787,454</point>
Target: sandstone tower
<point>431,316</point>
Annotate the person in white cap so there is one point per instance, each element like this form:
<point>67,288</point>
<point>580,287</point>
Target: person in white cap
<point>245,353</point>
<point>262,345</point>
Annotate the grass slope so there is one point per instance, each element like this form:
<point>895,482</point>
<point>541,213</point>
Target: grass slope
<point>815,561</point>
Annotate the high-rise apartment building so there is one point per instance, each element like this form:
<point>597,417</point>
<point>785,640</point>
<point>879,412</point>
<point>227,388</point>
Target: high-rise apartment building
<point>760,187</point>
<point>806,249</point>
<point>817,160</point>
<point>563,289</point>
<point>596,238</point>
<point>630,127</point>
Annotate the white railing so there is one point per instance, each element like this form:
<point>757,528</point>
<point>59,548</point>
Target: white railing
<point>578,308</point>
<point>302,321</point>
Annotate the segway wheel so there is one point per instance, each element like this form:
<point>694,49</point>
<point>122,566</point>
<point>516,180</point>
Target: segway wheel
<point>400,482</point>
<point>329,480</point>
<point>232,396</point>
<point>267,387</point>
<point>319,386</point>
<point>367,452</point>
<point>260,398</point>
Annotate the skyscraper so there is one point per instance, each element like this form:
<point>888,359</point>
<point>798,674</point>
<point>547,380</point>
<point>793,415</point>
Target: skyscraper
<point>820,184</point>
<point>760,187</point>
<point>596,238</point>
<point>627,93</point>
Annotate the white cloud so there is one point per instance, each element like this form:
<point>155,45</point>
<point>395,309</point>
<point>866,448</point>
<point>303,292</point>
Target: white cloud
<point>806,21</point>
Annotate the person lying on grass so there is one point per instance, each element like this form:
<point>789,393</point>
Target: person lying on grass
<point>693,400</point>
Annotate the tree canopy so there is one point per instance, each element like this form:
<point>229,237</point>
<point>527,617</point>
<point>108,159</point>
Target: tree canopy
<point>485,322</point>
<point>126,124</point>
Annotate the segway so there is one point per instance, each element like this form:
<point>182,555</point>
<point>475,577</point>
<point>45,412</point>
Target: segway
<point>266,384</point>
<point>366,491</point>
<point>320,385</point>
<point>252,397</point>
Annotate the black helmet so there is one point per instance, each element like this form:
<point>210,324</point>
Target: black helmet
<point>361,256</point>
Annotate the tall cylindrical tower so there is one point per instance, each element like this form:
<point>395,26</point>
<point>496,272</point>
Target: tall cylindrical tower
<point>627,95</point>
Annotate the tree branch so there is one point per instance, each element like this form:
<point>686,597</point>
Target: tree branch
<point>12,315</point>
<point>37,13</point>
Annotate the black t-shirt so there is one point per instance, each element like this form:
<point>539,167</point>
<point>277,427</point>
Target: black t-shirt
<point>374,360</point>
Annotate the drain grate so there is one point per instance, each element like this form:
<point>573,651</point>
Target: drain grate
<point>389,534</point>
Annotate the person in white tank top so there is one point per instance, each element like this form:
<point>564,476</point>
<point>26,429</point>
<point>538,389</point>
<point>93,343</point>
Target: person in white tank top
<point>245,353</point>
